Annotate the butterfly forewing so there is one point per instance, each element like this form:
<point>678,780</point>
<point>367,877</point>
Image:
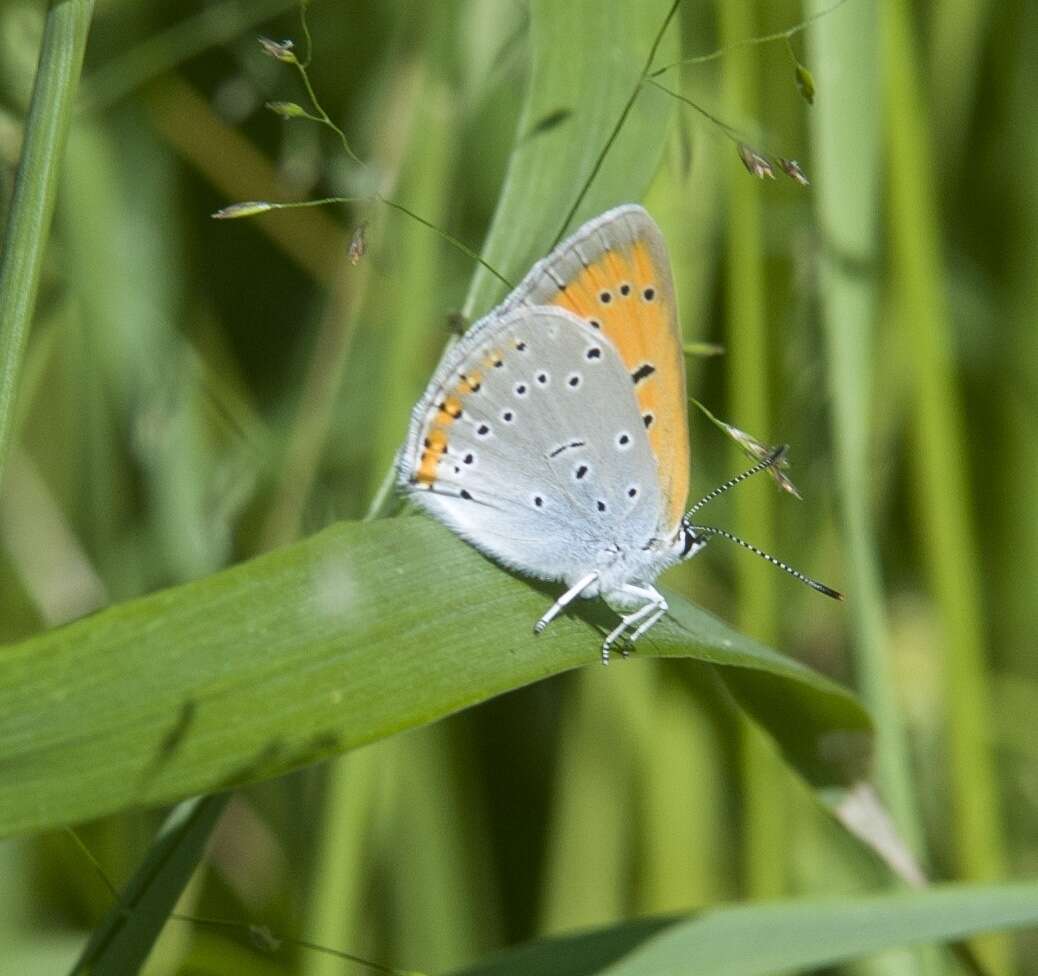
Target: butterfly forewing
<point>523,446</point>
<point>614,274</point>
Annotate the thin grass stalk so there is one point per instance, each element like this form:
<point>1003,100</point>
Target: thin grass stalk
<point>98,468</point>
<point>335,908</point>
<point>846,158</point>
<point>124,939</point>
<point>941,490</point>
<point>843,50</point>
<point>35,191</point>
<point>590,859</point>
<point>1015,530</point>
<point>433,848</point>
<point>763,866</point>
<point>683,857</point>
<point>958,30</point>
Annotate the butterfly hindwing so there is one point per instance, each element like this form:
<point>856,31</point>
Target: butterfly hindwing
<point>522,445</point>
<point>614,274</point>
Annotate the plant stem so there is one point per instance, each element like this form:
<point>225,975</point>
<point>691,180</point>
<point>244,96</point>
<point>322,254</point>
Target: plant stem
<point>947,536</point>
<point>764,867</point>
<point>843,52</point>
<point>35,190</point>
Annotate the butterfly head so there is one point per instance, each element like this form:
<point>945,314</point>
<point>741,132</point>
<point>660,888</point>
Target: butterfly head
<point>688,541</point>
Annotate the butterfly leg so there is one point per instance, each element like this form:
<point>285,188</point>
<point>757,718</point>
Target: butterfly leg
<point>564,601</point>
<point>639,620</point>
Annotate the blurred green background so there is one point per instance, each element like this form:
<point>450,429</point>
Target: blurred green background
<point>195,393</point>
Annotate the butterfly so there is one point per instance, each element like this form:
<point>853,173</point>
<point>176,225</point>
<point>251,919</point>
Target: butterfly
<point>554,438</point>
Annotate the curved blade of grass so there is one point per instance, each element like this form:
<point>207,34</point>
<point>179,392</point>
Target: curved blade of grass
<point>776,937</point>
<point>577,954</point>
<point>35,189</point>
<point>581,94</point>
<point>356,633</point>
<point>122,942</point>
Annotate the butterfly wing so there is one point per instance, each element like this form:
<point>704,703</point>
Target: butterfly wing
<point>525,444</point>
<point>614,274</point>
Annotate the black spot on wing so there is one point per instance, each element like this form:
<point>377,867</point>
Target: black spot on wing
<point>643,372</point>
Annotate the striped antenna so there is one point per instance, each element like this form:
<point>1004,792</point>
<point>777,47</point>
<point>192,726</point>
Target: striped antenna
<point>795,573</point>
<point>770,461</point>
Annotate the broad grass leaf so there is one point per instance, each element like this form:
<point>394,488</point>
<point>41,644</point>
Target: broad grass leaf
<point>356,633</point>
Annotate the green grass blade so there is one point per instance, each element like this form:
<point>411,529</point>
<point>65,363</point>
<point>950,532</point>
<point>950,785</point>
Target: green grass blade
<point>846,188</point>
<point>777,937</point>
<point>581,954</point>
<point>591,837</point>
<point>358,632</point>
<point>959,31</point>
<point>335,903</point>
<point>122,942</point>
<point>943,495</point>
<point>35,189</point>
<point>846,197</point>
<point>748,363</point>
<point>593,79</point>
